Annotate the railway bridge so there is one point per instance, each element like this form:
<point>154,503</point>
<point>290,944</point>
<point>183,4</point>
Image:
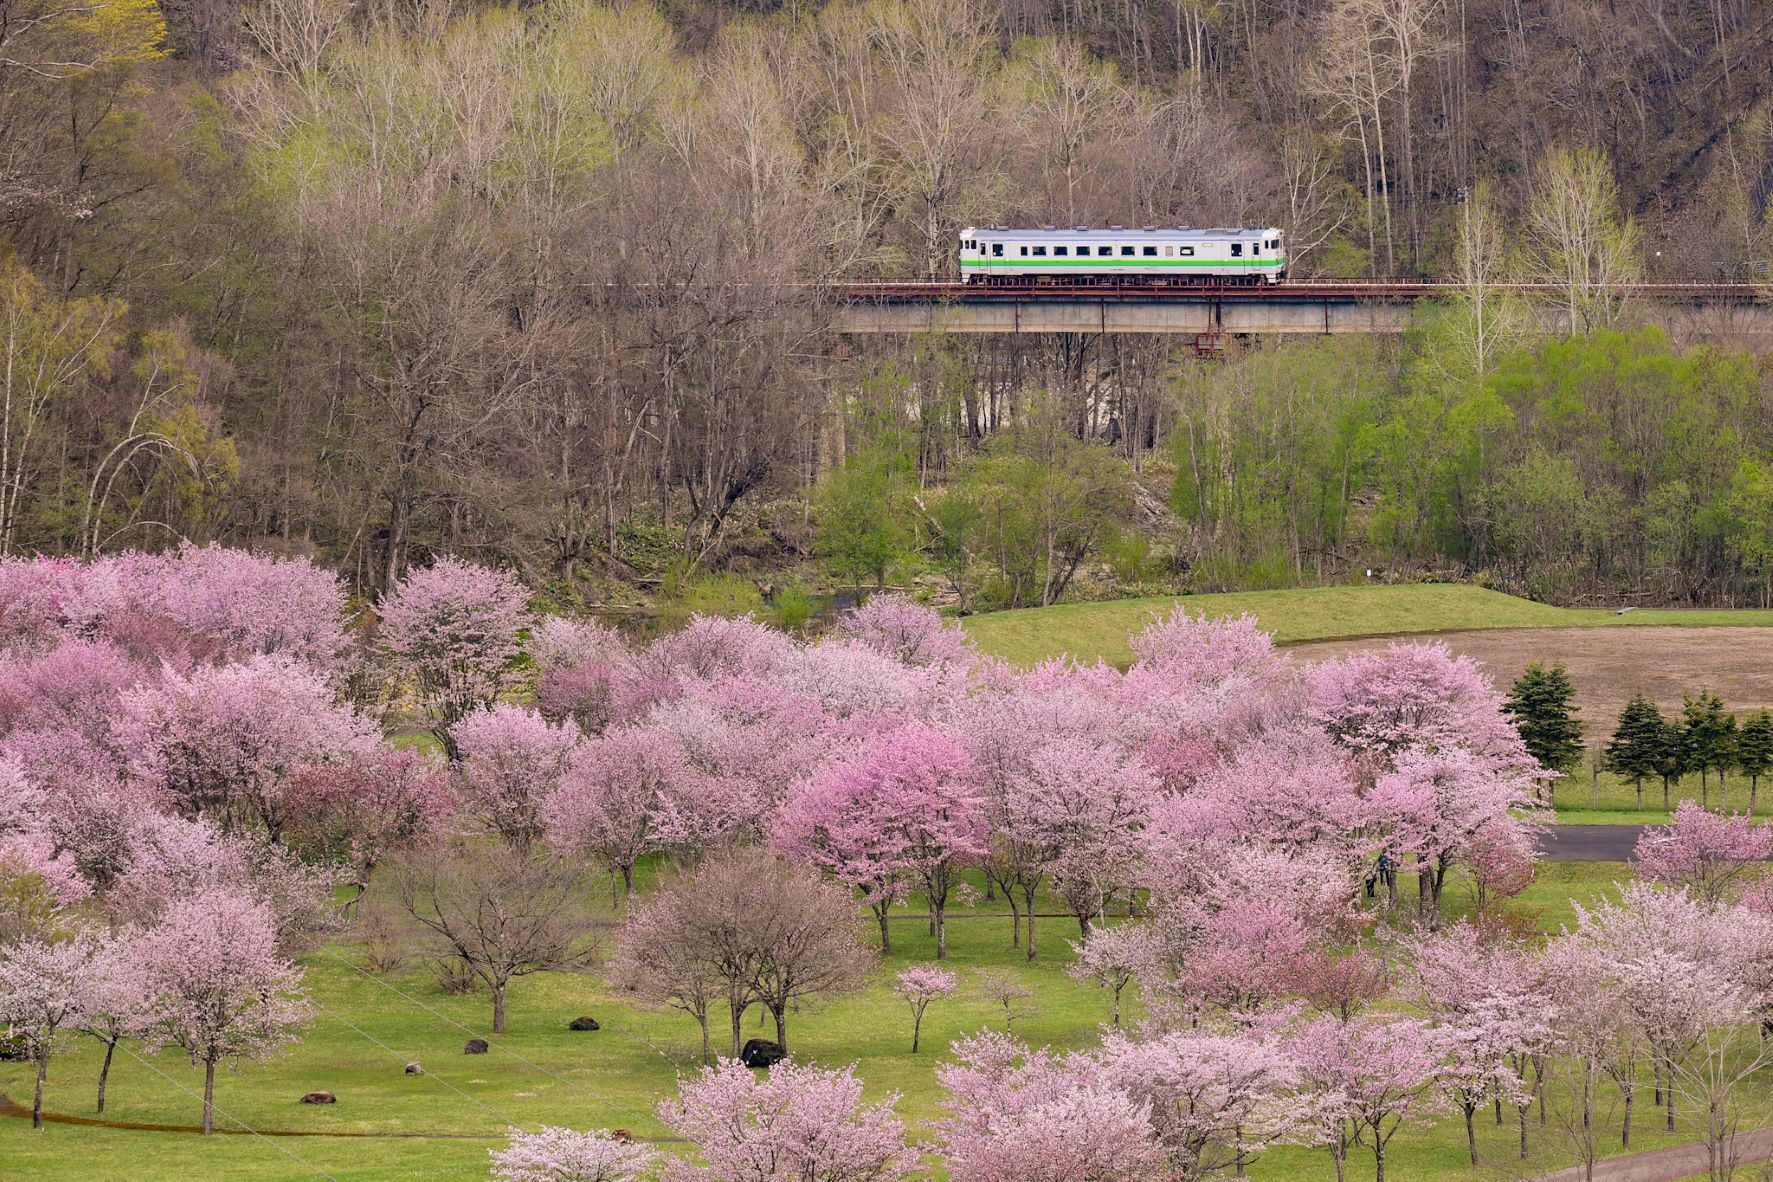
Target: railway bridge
<point>1212,311</point>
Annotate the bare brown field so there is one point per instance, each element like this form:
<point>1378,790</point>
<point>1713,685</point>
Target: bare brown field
<point>1608,665</point>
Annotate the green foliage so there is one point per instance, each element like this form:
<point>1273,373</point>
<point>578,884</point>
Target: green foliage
<point>1635,750</point>
<point>1708,733</point>
<point>792,608</point>
<point>1542,704</point>
<point>866,513</point>
<point>1128,554</point>
<point>1270,449</point>
<point>686,592</point>
<point>1031,507</point>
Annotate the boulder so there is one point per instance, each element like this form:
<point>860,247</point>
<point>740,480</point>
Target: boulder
<point>413,1068</point>
<point>320,1098</point>
<point>583,1024</point>
<point>761,1052</point>
<point>475,1046</point>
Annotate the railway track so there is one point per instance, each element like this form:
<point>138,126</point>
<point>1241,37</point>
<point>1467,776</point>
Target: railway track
<point>950,291</point>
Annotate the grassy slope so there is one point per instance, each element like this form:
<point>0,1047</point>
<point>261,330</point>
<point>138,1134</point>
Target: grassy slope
<point>1099,630</point>
<point>609,1078</point>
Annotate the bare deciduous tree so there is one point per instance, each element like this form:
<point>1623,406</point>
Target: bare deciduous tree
<point>505,914</point>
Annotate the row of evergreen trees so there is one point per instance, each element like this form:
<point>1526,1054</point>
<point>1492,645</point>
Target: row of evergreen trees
<point>1703,738</point>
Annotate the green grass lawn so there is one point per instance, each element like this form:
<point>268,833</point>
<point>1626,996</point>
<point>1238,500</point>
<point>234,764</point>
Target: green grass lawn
<point>1089,631</point>
<point>1610,800</point>
<point>368,1027</point>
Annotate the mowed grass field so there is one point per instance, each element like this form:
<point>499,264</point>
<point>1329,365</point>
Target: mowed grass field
<point>439,1126</point>
<point>1091,631</point>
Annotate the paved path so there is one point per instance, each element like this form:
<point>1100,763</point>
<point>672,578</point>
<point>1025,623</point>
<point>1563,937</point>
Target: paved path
<point>1589,843</point>
<point>1671,1164</point>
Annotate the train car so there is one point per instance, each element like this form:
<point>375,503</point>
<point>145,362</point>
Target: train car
<point>1003,255</point>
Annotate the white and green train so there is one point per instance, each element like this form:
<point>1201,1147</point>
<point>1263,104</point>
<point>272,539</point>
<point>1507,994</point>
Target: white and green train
<point>1004,255</point>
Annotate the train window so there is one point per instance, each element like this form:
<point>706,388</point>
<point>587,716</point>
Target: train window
<point>1061,251</point>
<point>1040,252</point>
<point>1024,251</point>
<point>1126,250</point>
<point>997,250</point>
<point>1255,249</point>
<point>1104,251</point>
<point>1237,250</point>
<point>1186,252</point>
<point>1151,252</point>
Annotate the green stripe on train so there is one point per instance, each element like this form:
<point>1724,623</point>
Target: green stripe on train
<point>1115,262</point>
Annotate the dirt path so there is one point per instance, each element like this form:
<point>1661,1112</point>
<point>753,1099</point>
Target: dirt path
<point>1608,664</point>
<point>1671,1164</point>
<point>11,1107</point>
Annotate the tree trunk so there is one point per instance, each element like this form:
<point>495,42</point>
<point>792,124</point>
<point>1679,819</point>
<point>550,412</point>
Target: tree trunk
<point>1471,1133</point>
<point>498,1025</point>
<point>707,1051</point>
<point>780,1014</point>
<point>105,1072</point>
<point>37,1096</point>
<point>916,1028</point>
<point>886,939</point>
<point>737,1012</point>
<point>208,1096</point>
<point>1625,1128</point>
<point>1028,900</point>
<point>1378,1158</point>
<point>1523,1115</point>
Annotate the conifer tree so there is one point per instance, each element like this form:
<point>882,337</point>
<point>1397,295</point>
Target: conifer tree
<point>1541,702</point>
<point>1708,733</point>
<point>1671,757</point>
<point>1754,751</point>
<point>1635,750</point>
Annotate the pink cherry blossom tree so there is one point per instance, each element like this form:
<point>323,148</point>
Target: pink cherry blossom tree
<point>1201,655</point>
<point>1364,1079</point>
<point>795,1123</point>
<point>226,740</point>
<point>512,761</point>
<point>584,672</point>
<point>43,998</point>
<point>251,603</point>
<point>920,984</point>
<point>1379,702</point>
<point>1215,1100</point>
<point>74,686</point>
<point>172,859</point>
<point>1092,800</point>
<point>451,630</point>
<point>710,647</point>
<point>1111,957</point>
<point>907,632</point>
<point>1085,1133</point>
<point>117,1005</point>
<point>610,799</point>
<point>219,987</point>
<point>356,814</point>
<point>746,739</point>
<point>1491,1015</point>
<point>909,803</point>
<point>1436,805</point>
<point>1702,852</point>
<point>565,1155</point>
